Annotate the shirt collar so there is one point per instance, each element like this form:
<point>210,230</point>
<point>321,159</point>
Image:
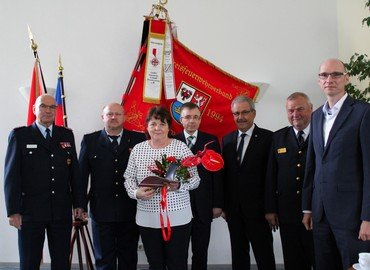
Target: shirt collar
<point>195,134</point>
<point>306,130</point>
<point>337,106</point>
<point>249,132</point>
<point>43,129</point>
<point>119,135</point>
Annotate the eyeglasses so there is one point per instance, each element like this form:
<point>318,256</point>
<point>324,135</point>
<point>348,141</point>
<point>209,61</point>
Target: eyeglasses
<point>44,107</point>
<point>243,113</point>
<point>111,114</point>
<point>189,117</point>
<point>333,75</point>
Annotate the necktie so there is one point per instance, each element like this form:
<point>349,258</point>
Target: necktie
<point>114,143</point>
<point>239,152</point>
<point>48,137</point>
<point>190,141</point>
<point>300,138</point>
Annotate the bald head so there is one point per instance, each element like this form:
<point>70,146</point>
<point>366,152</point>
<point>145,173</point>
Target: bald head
<point>334,61</point>
<point>333,78</point>
<point>113,118</point>
<point>44,110</point>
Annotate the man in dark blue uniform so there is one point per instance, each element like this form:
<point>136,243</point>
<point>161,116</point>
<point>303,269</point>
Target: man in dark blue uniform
<point>207,199</point>
<point>103,157</point>
<point>284,180</point>
<point>42,184</point>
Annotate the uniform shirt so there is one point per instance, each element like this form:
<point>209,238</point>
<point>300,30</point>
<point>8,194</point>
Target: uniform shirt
<point>330,114</point>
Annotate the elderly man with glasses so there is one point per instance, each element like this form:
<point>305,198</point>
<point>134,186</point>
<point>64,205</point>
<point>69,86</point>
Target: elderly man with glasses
<point>42,185</point>
<point>245,152</point>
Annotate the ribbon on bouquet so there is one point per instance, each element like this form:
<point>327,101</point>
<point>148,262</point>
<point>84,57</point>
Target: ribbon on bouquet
<point>166,231</point>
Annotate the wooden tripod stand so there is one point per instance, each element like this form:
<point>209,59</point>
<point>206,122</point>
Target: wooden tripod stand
<point>79,232</point>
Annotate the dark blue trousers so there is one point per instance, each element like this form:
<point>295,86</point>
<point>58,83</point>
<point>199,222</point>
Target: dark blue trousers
<point>31,241</point>
<point>115,243</point>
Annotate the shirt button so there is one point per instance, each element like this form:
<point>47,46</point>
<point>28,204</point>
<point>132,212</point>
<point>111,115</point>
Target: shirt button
<point>116,160</point>
<point>116,195</point>
<point>117,183</point>
<point>52,179</point>
<point>298,165</point>
<point>94,156</point>
<point>116,171</point>
<point>53,192</point>
<point>297,178</point>
<point>30,152</point>
<point>52,155</point>
<point>298,192</point>
<point>299,152</point>
<point>52,167</point>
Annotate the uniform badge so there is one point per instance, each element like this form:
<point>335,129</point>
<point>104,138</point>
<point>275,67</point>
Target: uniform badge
<point>281,150</point>
<point>65,145</point>
<point>31,146</point>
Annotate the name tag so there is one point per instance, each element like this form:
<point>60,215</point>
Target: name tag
<point>31,146</point>
<point>281,150</point>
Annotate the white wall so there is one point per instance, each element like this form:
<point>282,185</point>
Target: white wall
<point>352,36</point>
<point>278,42</point>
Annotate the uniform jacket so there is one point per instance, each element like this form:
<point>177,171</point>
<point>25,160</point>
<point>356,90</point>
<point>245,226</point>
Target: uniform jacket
<point>244,185</point>
<point>42,182</point>
<point>337,179</point>
<point>109,201</point>
<point>209,193</point>
<point>285,174</point>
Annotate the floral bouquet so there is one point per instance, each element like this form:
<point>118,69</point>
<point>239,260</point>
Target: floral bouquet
<point>171,168</point>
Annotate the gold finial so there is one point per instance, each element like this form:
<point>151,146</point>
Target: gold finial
<point>60,67</point>
<point>162,2</point>
<point>33,43</point>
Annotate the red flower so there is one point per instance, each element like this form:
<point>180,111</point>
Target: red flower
<point>171,159</point>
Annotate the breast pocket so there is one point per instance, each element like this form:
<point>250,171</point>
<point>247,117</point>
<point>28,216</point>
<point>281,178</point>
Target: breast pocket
<point>31,159</point>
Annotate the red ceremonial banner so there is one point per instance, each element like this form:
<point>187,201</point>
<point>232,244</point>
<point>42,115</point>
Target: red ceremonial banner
<point>198,81</point>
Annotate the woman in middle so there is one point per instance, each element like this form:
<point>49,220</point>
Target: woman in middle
<point>161,255</point>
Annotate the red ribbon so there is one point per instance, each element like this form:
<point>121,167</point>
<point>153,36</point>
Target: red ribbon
<point>166,232</point>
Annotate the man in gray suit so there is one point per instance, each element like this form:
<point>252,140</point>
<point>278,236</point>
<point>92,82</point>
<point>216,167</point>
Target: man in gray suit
<point>336,190</point>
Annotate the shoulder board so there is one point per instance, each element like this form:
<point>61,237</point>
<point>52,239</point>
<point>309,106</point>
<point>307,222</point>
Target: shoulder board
<point>282,129</point>
<point>19,128</point>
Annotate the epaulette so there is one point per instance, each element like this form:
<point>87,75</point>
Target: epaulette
<point>19,128</point>
<point>284,128</point>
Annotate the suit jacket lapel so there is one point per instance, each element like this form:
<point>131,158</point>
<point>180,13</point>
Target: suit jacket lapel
<point>104,140</point>
<point>252,143</point>
<point>124,143</point>
<point>320,128</point>
<point>55,138</point>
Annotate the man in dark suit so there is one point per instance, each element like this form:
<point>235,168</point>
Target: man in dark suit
<point>103,157</point>
<point>337,180</point>
<point>245,152</point>
<point>284,180</point>
<point>42,184</point>
<point>207,199</point>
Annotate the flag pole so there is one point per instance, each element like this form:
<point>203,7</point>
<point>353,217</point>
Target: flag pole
<point>36,55</point>
<point>60,75</point>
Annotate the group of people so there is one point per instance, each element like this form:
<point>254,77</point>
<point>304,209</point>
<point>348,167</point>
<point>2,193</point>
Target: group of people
<point>310,180</point>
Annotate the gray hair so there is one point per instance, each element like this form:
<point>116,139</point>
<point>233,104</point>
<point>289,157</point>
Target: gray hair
<point>243,98</point>
<point>295,95</point>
